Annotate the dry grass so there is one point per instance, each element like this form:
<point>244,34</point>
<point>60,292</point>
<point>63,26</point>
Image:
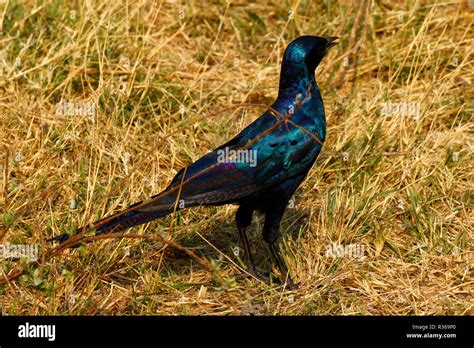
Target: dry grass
<point>166,80</point>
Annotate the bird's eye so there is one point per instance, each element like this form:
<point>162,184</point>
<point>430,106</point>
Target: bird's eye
<point>273,144</point>
<point>293,142</point>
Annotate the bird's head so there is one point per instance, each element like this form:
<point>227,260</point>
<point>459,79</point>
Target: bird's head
<point>308,51</point>
<point>301,58</point>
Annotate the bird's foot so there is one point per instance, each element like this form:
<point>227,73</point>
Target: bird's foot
<point>290,285</point>
<point>264,277</point>
<point>268,278</point>
<point>285,282</point>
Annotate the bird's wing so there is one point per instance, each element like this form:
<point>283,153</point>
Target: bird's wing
<point>284,152</point>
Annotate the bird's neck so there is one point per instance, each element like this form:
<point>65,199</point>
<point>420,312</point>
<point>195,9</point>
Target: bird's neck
<point>295,79</point>
<point>294,86</point>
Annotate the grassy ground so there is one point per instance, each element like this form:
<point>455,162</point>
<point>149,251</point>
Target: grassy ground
<point>164,82</point>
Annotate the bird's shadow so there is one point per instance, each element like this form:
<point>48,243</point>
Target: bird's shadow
<point>221,244</point>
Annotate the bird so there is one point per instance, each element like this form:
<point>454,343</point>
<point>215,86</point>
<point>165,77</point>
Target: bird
<point>259,169</point>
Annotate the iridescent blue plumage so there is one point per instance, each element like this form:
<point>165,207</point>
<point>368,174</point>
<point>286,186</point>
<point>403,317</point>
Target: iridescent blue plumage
<point>276,152</point>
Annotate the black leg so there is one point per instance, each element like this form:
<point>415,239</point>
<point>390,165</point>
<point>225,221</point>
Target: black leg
<point>248,252</point>
<point>271,231</point>
<point>248,255</point>
<point>281,265</point>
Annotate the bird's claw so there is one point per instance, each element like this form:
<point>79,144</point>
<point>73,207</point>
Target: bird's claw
<point>268,278</point>
<point>254,274</point>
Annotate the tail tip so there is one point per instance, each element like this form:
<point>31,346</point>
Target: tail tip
<point>59,238</point>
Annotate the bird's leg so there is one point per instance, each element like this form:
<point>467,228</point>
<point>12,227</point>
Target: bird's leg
<point>248,254</point>
<point>248,251</point>
<point>281,265</point>
<point>243,219</point>
<point>271,231</point>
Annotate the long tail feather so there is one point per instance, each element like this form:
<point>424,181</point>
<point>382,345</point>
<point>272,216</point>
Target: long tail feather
<point>136,214</point>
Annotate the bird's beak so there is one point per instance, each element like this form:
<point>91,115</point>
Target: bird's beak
<point>331,41</point>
